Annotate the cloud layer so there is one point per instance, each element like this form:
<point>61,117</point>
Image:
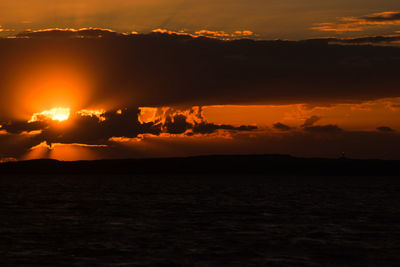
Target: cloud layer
<point>356,24</point>
<point>87,130</point>
<point>161,69</point>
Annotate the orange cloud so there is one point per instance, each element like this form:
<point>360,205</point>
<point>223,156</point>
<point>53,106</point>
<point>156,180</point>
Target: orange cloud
<point>108,33</point>
<point>149,114</point>
<point>222,35</point>
<point>99,113</point>
<point>55,145</point>
<point>165,31</point>
<point>335,27</point>
<point>65,152</point>
<point>70,33</point>
<point>121,139</point>
<point>55,114</point>
<point>7,159</point>
<point>31,133</point>
<point>354,24</point>
<point>5,30</point>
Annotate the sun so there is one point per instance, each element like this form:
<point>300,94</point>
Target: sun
<point>60,114</point>
<point>55,114</point>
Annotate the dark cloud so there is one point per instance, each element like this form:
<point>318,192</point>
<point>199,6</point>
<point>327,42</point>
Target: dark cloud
<point>389,16</point>
<point>17,127</point>
<point>15,145</point>
<point>85,129</point>
<point>97,130</point>
<point>281,127</point>
<point>310,127</point>
<point>167,69</point>
<point>324,129</point>
<point>385,129</point>
<point>354,24</point>
<point>383,39</point>
<point>92,130</point>
<point>310,121</point>
<point>207,128</point>
<point>70,33</point>
<point>177,124</point>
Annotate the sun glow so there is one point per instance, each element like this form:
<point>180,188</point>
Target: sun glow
<point>100,113</point>
<point>55,114</point>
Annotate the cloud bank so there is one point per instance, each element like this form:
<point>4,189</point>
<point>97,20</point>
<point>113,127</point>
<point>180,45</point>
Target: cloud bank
<point>356,24</point>
<point>96,129</point>
<point>162,69</point>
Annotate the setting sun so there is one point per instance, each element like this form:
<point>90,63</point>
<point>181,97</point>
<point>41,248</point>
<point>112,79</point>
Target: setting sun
<point>55,114</point>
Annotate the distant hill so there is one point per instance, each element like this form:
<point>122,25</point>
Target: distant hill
<point>280,165</point>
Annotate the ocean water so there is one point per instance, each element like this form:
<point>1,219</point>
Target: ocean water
<point>214,220</point>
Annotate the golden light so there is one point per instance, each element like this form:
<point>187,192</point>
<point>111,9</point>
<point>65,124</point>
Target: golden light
<point>48,79</point>
<point>55,114</point>
<point>64,152</point>
<point>99,113</point>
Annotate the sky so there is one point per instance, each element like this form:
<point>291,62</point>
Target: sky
<point>128,79</point>
<point>269,19</point>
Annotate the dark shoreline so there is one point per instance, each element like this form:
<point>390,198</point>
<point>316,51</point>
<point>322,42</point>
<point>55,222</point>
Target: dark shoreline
<point>277,165</point>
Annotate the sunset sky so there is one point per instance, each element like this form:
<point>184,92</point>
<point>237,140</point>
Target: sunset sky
<point>269,19</point>
<point>155,78</point>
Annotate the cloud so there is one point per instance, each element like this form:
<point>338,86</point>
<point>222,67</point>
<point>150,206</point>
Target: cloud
<point>310,127</point>
<point>221,35</point>
<point>97,128</point>
<point>157,69</point>
<point>97,33</point>
<point>224,35</point>
<point>208,128</point>
<point>184,132</point>
<point>389,17</point>
<point>7,159</point>
<point>385,129</point>
<point>383,39</point>
<point>177,124</point>
<point>54,145</point>
<point>19,126</point>
<point>281,127</point>
<point>5,30</point>
<point>70,33</point>
<point>192,122</point>
<point>310,121</point>
<point>395,106</point>
<point>337,27</point>
<point>354,24</point>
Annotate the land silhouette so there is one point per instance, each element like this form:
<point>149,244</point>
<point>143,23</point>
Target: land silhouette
<point>212,164</point>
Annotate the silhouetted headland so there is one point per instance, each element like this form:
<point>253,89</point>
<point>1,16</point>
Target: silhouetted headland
<point>215,164</point>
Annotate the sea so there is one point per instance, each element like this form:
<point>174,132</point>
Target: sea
<point>199,220</point>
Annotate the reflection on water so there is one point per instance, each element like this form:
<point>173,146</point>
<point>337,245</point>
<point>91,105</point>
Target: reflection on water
<point>199,221</point>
